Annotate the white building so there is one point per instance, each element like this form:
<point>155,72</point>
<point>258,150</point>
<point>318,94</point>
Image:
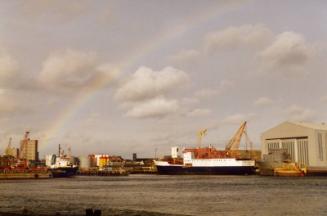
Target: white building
<point>305,142</point>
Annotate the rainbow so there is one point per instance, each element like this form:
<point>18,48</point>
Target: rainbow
<point>56,131</point>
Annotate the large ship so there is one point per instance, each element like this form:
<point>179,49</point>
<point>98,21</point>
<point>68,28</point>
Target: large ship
<point>61,165</point>
<point>208,160</point>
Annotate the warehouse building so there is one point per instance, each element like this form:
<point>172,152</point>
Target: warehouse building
<point>305,142</point>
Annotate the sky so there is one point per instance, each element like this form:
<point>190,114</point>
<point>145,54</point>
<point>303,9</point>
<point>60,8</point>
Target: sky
<point>120,77</point>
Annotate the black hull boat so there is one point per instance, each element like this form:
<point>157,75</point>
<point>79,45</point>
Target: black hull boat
<point>182,170</point>
<point>63,172</point>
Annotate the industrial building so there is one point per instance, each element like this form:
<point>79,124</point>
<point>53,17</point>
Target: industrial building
<point>28,149</point>
<point>11,151</point>
<point>306,143</point>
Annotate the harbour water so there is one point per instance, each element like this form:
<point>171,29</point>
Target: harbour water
<point>167,195</point>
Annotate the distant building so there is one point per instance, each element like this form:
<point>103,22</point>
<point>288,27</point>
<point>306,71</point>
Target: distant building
<point>12,151</point>
<point>134,156</point>
<point>28,148</point>
<point>305,142</point>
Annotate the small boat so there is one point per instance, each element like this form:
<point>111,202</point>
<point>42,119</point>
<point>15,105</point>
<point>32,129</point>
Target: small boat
<point>289,170</point>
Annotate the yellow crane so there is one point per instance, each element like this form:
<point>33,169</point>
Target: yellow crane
<point>234,143</point>
<point>200,134</point>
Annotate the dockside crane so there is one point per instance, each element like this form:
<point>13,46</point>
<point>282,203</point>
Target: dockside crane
<point>234,143</point>
<point>200,135</point>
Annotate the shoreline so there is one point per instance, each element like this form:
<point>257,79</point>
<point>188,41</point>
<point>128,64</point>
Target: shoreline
<point>112,212</point>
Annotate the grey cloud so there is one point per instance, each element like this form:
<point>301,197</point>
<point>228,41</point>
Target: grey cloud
<point>289,49</point>
<point>70,69</point>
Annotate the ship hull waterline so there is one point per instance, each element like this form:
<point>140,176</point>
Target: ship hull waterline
<point>63,172</point>
<point>221,170</point>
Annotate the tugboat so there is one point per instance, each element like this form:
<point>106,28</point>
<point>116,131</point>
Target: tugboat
<point>210,161</point>
<point>61,165</point>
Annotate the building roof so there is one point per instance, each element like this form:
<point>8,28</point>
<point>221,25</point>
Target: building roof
<point>317,126</point>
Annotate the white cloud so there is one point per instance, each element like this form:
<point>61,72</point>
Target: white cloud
<point>199,112</point>
<point>263,101</point>
<point>72,69</point>
<point>146,83</point>
<point>235,36</point>
<point>289,49</point>
<point>153,108</point>
<point>298,113</point>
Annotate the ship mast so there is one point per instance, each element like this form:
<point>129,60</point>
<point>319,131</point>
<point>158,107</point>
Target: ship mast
<point>59,151</point>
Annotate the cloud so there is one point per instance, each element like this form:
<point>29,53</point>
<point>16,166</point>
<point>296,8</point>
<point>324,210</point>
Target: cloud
<point>263,101</point>
<point>153,108</point>
<point>72,69</point>
<point>146,83</point>
<point>288,50</point>
<point>236,36</point>
<point>298,113</point>
<point>238,118</point>
<point>199,112</point>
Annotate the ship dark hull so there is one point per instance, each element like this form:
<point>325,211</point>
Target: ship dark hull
<point>63,172</point>
<point>230,170</point>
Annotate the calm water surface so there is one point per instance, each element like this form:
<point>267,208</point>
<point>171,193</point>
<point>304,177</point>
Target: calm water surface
<point>175,195</point>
